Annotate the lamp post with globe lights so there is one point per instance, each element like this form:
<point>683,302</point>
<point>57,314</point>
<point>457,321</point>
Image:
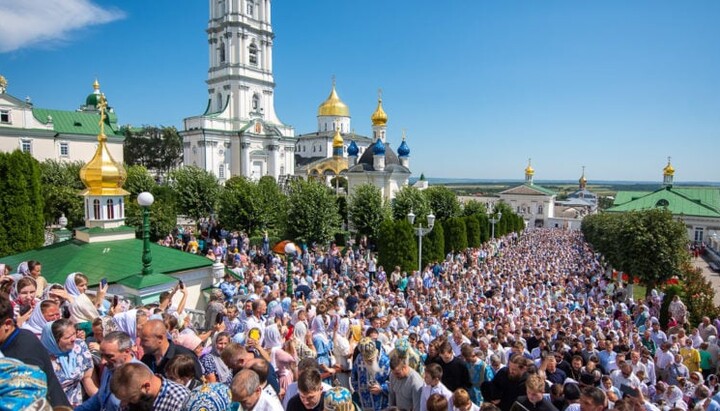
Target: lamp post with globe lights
<point>289,254</point>
<point>421,231</point>
<point>145,200</point>
<point>493,220</point>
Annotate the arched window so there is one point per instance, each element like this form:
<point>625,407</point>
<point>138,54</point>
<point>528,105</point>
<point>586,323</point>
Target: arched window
<point>96,210</point>
<point>540,209</point>
<point>110,209</point>
<point>219,101</point>
<point>253,54</point>
<point>255,102</point>
<point>120,208</point>
<point>222,51</point>
<point>662,203</point>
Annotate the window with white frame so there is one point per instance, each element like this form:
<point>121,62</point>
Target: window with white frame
<point>221,171</point>
<point>250,8</point>
<point>64,149</point>
<point>5,116</point>
<point>26,146</point>
<point>253,54</point>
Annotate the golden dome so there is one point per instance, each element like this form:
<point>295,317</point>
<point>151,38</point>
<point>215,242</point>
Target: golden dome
<point>337,139</point>
<point>529,170</point>
<point>333,106</point>
<point>669,170</point>
<point>102,175</point>
<point>379,118</point>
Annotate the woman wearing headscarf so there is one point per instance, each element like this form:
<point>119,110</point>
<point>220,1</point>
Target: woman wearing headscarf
<point>342,351</point>
<point>45,311</point>
<point>213,367</point>
<point>70,358</point>
<point>23,299</point>
<point>83,310</point>
<point>323,344</point>
<point>674,398</point>
<point>282,360</point>
<point>301,341</point>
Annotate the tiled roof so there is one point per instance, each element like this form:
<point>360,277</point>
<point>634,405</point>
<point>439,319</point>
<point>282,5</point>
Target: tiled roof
<point>77,122</point>
<point>119,261</point>
<point>698,202</point>
<point>527,189</point>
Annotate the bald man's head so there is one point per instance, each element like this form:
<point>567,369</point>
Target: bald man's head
<point>154,337</point>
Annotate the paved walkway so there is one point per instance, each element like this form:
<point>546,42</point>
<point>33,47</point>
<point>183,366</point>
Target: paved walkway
<point>710,275</point>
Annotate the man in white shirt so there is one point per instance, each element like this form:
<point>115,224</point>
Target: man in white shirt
<point>247,390</point>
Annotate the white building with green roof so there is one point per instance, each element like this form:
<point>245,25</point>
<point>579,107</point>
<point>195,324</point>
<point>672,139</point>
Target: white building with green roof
<point>697,207</point>
<point>536,204</point>
<point>106,248</point>
<point>52,134</point>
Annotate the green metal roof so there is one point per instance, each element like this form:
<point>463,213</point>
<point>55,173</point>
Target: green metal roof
<point>119,261</point>
<point>77,122</point>
<point>698,202</point>
<point>622,197</point>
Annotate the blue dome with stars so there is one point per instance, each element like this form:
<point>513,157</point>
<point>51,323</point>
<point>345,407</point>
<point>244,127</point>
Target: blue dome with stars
<point>379,148</point>
<point>353,149</point>
<point>403,150</point>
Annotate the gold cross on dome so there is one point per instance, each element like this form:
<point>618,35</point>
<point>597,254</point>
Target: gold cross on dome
<point>102,105</point>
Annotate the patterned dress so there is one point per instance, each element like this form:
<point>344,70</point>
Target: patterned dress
<point>70,370</point>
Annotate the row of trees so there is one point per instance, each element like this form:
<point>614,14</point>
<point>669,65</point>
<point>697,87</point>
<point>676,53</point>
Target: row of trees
<point>305,210</point>
<point>649,245</point>
<point>456,228</point>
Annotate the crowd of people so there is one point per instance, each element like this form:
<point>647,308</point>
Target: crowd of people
<point>529,322</point>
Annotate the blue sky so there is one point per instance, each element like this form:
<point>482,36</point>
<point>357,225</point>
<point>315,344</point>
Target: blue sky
<point>480,86</point>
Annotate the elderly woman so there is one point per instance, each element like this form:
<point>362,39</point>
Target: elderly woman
<point>71,360</point>
<point>213,367</point>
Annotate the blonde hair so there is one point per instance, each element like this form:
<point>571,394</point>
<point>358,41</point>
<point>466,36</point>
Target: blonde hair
<point>460,398</point>
<point>535,383</point>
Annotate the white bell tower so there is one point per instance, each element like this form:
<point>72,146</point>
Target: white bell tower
<point>239,133</point>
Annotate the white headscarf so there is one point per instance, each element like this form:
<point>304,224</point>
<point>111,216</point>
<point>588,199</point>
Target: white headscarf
<point>36,322</point>
<point>272,339</point>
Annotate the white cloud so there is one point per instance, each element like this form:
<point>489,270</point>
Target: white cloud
<point>29,22</point>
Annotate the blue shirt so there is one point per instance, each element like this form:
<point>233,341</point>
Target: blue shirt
<point>103,398</point>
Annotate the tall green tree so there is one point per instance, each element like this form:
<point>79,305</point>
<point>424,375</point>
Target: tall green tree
<point>163,213</point>
<point>312,212</point>
<point>156,148</point>
<point>22,225</point>
<point>367,211</point>
<point>647,244</point>
<point>197,191</point>
<point>433,245</point>
<point>455,234</point>
<point>473,207</point>
<point>274,204</point>
<point>61,186</point>
<point>443,202</point>
<point>138,180</point>
<point>472,228</point>
<point>397,245</point>
<point>407,199</point>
